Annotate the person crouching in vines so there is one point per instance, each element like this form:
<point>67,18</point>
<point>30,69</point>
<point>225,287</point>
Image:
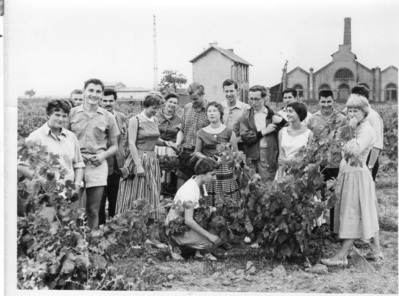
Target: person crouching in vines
<point>356,210</point>
<point>184,204</point>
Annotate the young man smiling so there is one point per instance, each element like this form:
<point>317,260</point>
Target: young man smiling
<point>94,127</point>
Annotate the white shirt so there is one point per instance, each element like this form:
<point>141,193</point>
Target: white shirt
<point>232,114</point>
<point>376,122</point>
<point>260,122</point>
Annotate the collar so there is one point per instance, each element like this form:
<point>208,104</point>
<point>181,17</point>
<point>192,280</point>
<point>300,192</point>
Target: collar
<point>318,113</point>
<point>81,109</point>
<point>238,105</point>
<point>263,110</point>
<point>48,131</point>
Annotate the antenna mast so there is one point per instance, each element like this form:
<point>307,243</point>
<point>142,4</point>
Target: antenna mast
<point>155,57</point>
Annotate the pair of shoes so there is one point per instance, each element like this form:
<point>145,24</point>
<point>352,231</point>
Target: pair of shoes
<point>247,240</point>
<point>255,246</point>
<point>210,257</point>
<point>339,263</point>
<point>156,244</point>
<point>374,256</point>
<point>226,246</point>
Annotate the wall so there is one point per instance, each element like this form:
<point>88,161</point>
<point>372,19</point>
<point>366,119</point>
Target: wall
<point>301,78</point>
<point>211,70</point>
<point>387,77</point>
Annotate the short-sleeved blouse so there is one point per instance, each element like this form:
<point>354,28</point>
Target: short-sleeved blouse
<point>147,134</point>
<point>210,141</point>
<point>168,127</point>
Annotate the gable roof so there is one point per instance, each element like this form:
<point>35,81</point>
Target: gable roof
<point>229,54</point>
<point>299,69</point>
<point>390,67</point>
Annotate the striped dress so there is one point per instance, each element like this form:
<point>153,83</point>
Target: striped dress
<point>148,186</point>
<point>225,183</point>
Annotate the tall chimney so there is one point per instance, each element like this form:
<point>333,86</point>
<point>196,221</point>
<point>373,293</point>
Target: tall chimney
<point>347,33</point>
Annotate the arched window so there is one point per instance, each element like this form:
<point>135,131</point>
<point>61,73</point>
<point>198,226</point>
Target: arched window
<point>344,73</point>
<point>343,92</point>
<point>391,92</point>
<point>324,86</point>
<point>299,90</point>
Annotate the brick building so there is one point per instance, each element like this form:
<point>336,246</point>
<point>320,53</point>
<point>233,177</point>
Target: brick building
<point>342,73</point>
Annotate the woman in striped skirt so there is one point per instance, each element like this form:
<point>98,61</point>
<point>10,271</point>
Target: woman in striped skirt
<point>145,179</point>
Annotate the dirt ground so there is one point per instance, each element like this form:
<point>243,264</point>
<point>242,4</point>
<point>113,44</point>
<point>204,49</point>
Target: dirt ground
<point>233,272</point>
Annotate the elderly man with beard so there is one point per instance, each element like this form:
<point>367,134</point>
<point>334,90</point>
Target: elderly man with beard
<point>321,125</point>
<point>194,118</point>
<point>116,161</point>
<point>94,127</point>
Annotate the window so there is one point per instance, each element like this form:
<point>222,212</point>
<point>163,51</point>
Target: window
<point>299,89</point>
<point>343,92</point>
<point>391,92</point>
<point>343,73</point>
<point>324,86</point>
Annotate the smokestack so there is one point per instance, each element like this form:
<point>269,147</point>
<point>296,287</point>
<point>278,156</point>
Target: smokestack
<point>347,33</point>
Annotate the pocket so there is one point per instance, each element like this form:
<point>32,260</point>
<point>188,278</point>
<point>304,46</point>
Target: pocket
<point>100,131</point>
<point>77,128</point>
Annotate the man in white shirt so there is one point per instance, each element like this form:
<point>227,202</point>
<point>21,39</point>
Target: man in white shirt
<point>377,123</point>
<point>290,95</point>
<point>233,108</point>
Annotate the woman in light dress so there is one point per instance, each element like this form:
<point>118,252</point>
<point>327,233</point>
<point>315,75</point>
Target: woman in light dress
<point>356,211</point>
<point>292,137</point>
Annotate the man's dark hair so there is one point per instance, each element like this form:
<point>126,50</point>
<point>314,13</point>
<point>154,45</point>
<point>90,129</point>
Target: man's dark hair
<point>290,90</point>
<point>229,82</point>
<point>196,87</point>
<point>325,93</point>
<point>110,92</point>
<point>57,105</point>
<point>300,109</point>
<point>205,165</point>
<point>218,106</point>
<point>152,100</point>
<point>262,89</point>
<point>360,90</point>
<point>76,91</point>
<point>172,95</point>
<point>94,81</point>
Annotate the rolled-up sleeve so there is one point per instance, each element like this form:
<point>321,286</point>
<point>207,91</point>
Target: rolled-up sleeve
<point>77,161</point>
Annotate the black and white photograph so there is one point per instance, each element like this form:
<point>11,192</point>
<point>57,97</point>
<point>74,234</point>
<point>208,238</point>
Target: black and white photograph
<point>199,146</point>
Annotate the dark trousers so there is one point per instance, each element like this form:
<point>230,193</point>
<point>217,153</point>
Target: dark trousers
<point>110,193</point>
<point>328,174</point>
<point>374,171</point>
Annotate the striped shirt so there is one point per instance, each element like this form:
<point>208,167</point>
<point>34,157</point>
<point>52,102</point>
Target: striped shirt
<point>192,121</point>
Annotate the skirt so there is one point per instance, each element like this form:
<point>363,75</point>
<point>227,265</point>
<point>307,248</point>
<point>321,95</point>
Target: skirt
<point>225,184</point>
<point>147,187</point>
<point>356,210</point>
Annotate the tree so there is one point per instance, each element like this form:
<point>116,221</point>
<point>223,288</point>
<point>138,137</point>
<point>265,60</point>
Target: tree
<point>30,93</point>
<point>171,80</point>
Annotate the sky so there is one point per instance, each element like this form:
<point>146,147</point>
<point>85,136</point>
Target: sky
<point>54,46</point>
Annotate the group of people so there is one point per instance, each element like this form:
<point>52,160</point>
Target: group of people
<point>114,158</point>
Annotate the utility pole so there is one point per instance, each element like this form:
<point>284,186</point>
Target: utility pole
<point>155,57</point>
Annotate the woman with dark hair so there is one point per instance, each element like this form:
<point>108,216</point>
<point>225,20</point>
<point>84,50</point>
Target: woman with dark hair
<point>185,202</point>
<point>142,176</point>
<point>168,122</point>
<point>292,137</point>
<point>206,147</point>
<point>356,214</point>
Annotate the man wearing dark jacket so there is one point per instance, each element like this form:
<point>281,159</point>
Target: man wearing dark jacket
<point>259,128</point>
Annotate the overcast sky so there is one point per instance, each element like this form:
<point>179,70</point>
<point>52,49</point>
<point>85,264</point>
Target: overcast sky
<point>54,46</point>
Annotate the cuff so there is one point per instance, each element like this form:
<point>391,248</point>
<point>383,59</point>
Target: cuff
<point>78,165</point>
<point>259,135</point>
